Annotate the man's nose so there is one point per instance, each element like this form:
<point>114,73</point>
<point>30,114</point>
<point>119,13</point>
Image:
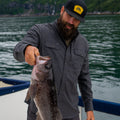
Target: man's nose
<point>71,20</point>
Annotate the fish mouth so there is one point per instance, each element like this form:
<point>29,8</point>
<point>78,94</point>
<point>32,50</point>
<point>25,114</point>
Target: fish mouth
<point>44,60</point>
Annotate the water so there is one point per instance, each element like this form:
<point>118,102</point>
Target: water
<point>103,35</point>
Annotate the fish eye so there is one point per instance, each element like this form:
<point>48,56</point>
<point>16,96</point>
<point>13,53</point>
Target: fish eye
<point>47,66</point>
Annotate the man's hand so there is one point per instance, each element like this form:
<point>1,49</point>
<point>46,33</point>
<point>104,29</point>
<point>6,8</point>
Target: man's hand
<point>30,53</point>
<point>90,115</point>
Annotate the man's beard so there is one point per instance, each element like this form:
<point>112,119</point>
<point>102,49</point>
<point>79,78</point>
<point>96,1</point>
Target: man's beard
<point>67,34</point>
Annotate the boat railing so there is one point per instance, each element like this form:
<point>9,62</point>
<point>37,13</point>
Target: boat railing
<point>104,106</point>
<point>99,105</point>
<point>17,85</point>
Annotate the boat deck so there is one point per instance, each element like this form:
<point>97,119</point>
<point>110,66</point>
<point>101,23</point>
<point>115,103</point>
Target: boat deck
<point>12,106</point>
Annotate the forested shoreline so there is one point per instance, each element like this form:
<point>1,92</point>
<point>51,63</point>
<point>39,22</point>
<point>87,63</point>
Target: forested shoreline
<point>52,7</point>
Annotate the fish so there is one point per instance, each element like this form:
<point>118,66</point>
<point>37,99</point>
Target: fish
<point>42,90</point>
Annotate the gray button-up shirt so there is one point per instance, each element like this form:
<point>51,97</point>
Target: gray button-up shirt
<point>70,65</point>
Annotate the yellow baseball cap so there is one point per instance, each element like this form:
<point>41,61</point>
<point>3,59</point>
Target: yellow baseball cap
<point>76,8</point>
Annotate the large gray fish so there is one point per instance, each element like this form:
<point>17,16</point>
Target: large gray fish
<point>42,90</point>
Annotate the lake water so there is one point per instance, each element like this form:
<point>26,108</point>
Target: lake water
<point>103,35</point>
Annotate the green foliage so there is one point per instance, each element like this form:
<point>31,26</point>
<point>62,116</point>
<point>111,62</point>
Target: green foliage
<point>47,6</point>
<point>103,5</point>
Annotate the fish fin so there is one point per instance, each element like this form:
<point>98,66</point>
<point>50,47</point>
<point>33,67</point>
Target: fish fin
<point>33,90</point>
<point>27,98</point>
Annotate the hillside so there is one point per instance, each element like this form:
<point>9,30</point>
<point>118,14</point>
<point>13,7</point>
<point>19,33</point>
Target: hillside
<point>103,5</point>
<point>49,7</point>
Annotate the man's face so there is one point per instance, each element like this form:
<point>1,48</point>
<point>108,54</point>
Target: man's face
<point>69,19</point>
<point>67,25</point>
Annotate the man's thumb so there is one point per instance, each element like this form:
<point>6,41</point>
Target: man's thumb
<point>36,52</point>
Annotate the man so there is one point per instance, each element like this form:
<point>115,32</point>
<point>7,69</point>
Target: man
<point>69,52</point>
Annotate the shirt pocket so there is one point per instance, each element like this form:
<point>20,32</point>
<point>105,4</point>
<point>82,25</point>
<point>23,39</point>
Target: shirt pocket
<point>80,52</point>
<point>78,58</point>
<point>52,49</point>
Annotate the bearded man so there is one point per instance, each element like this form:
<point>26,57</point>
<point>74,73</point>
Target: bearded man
<point>69,52</point>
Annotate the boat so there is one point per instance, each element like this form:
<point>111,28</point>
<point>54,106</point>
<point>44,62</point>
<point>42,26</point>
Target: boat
<point>13,96</point>
<point>12,85</point>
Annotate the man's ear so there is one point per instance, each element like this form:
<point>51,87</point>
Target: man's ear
<point>62,10</point>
